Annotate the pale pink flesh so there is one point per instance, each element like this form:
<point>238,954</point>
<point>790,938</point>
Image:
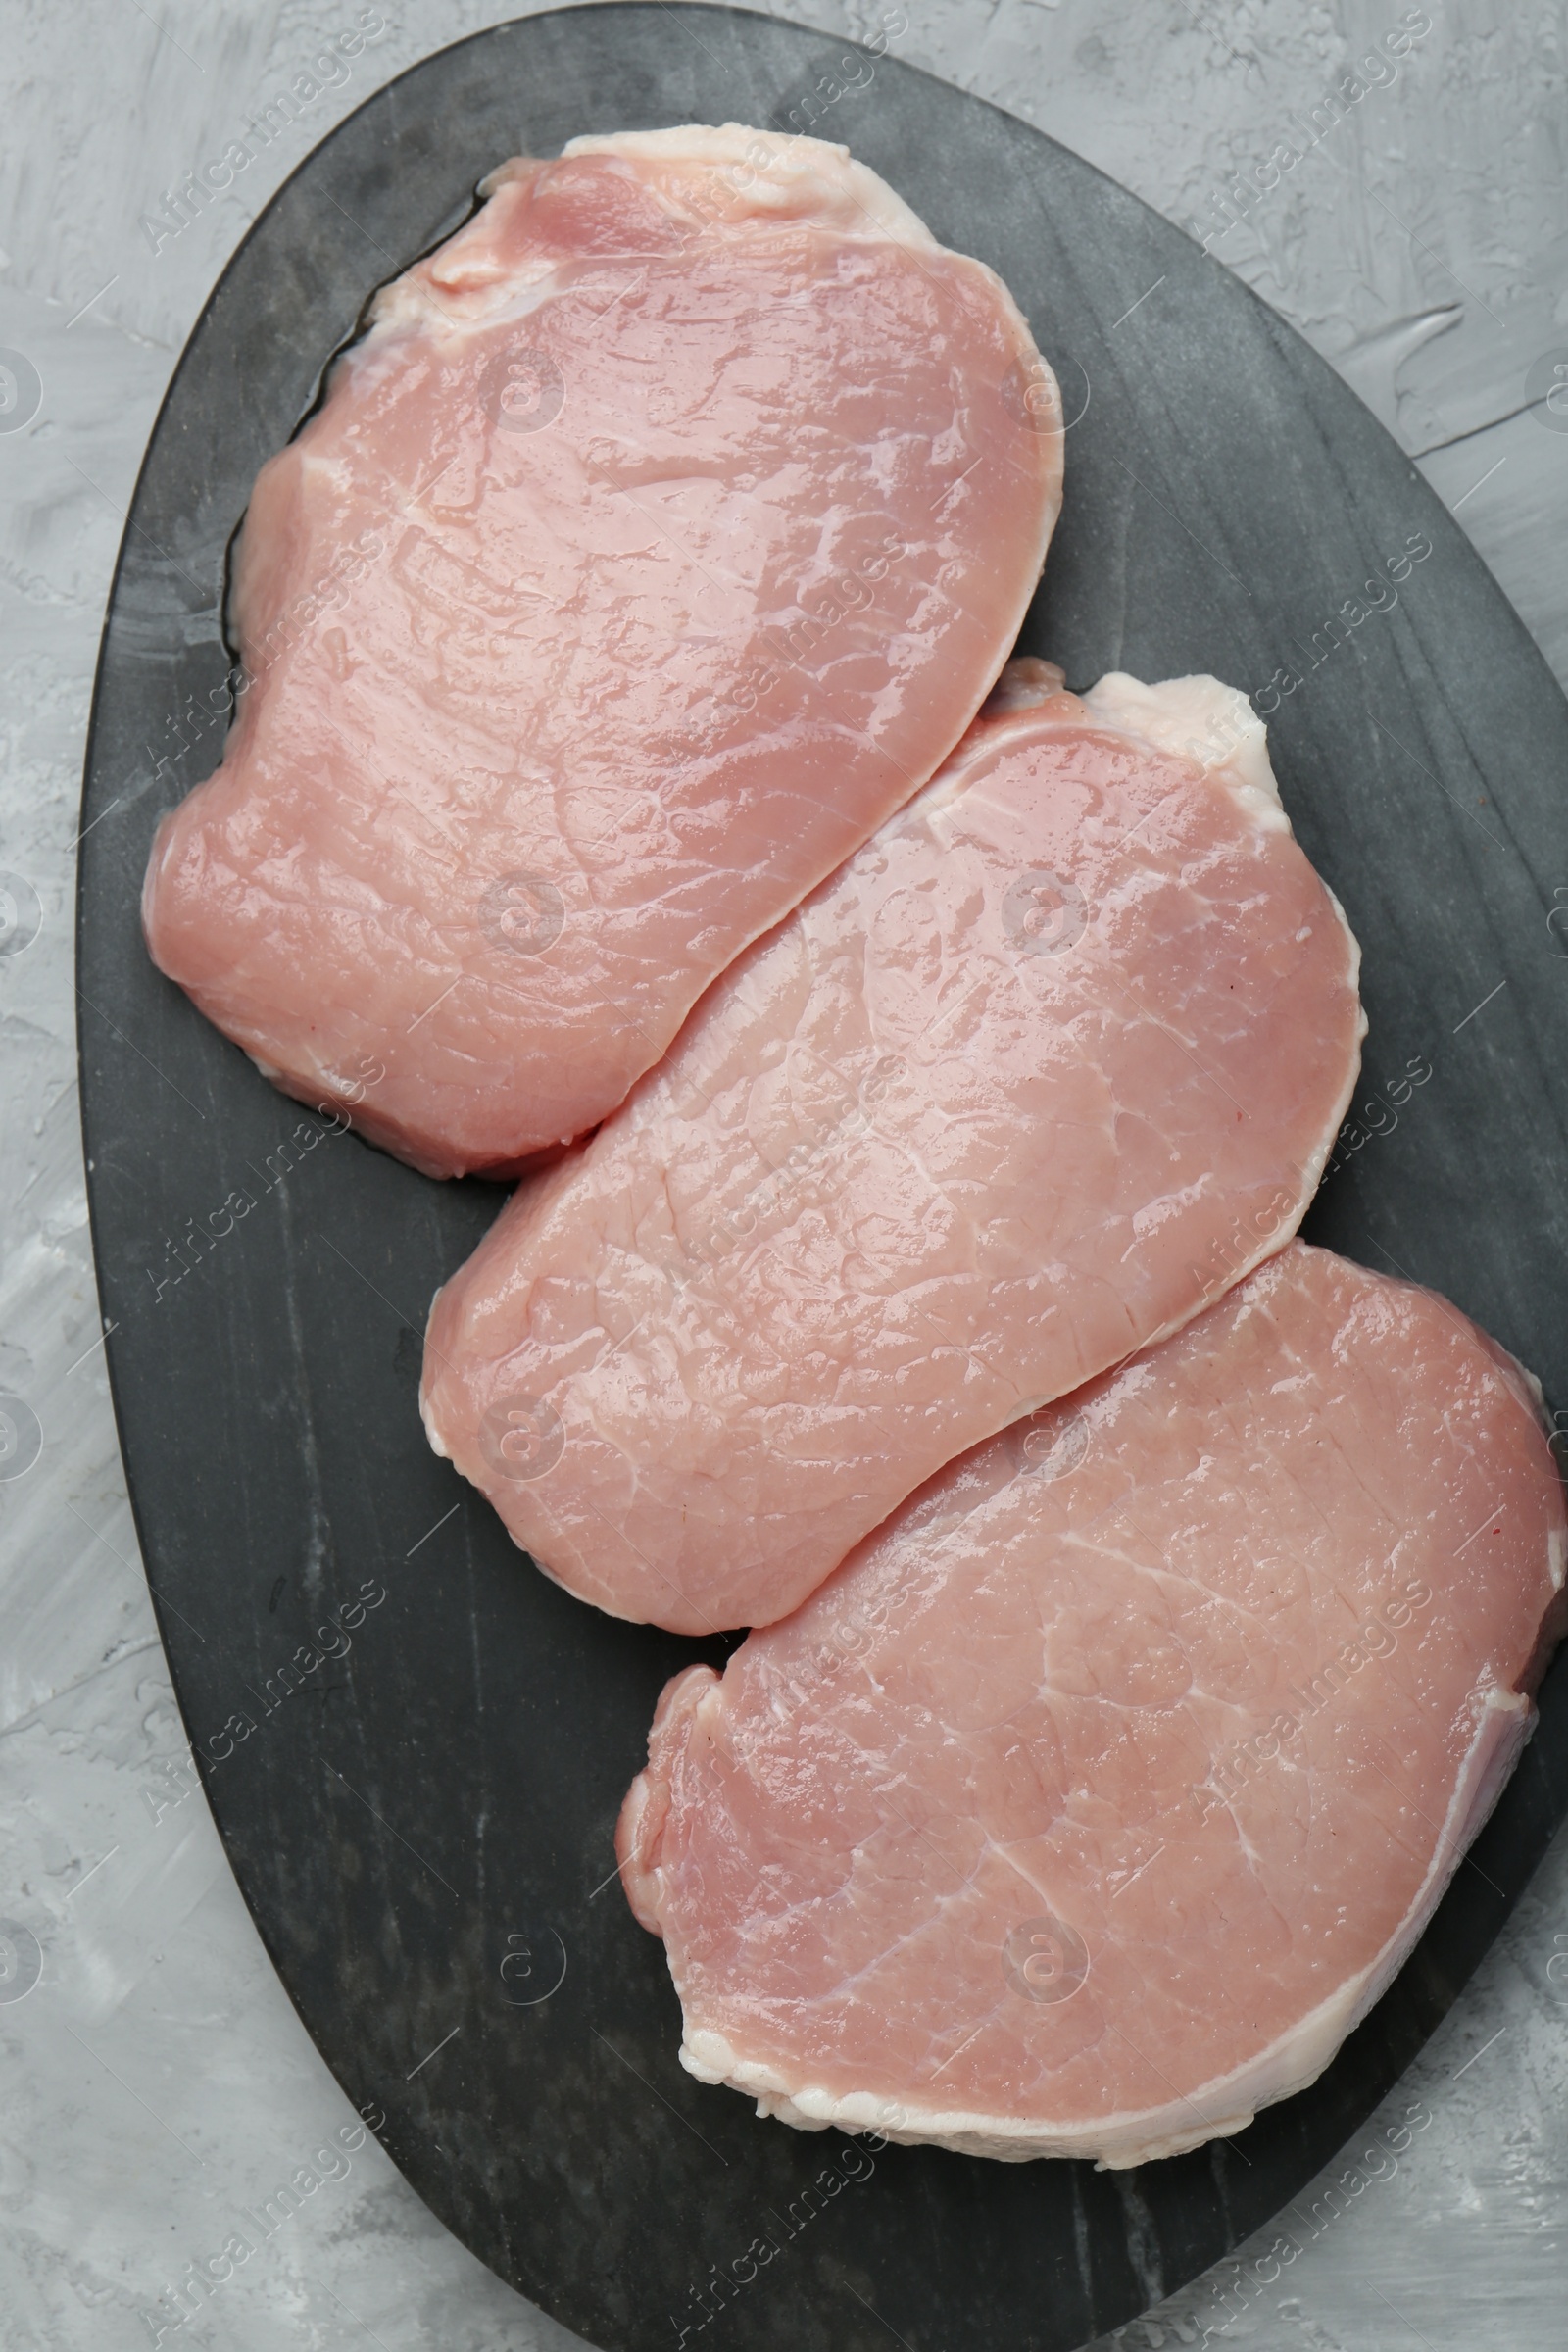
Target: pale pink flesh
<point>1085,1710</point>
<point>546,724</point>
<point>906,1175</point>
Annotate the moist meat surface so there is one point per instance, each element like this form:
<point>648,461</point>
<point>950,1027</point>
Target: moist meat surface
<point>1043,1068</point>
<point>662,534</point>
<point>1093,1802</point>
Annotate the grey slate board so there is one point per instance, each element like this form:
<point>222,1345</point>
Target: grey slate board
<point>436,1806</point>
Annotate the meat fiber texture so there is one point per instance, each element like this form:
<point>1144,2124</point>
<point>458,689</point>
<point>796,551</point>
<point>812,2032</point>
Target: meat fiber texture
<point>1042,1069</point>
<point>664,533</point>
<point>1100,1794</point>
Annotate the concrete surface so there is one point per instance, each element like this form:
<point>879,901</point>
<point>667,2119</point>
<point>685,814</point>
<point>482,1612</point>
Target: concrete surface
<point>154,2080</point>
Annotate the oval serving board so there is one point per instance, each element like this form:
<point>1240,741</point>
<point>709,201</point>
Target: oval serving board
<point>421,1820</point>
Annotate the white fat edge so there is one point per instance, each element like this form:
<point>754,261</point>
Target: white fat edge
<point>1198,719</point>
<point>1167,718</point>
<point>781,169</point>
<point>1211,726</point>
<point>842,193</point>
<point>407,304</point>
<point>1536,1400</point>
<point>1504,1720</point>
<point>1025,683</point>
<point>515,167</point>
<point>837,185</point>
<point>1158,2132</point>
<point>1214,726</point>
<point>708,2055</point>
<point>433,1429</point>
<point>1169,728</point>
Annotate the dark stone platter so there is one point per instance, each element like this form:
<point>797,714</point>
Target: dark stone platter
<point>422,1820</point>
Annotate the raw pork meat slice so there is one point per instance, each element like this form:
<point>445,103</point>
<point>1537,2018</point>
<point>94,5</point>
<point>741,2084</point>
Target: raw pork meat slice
<point>1097,1797</point>
<point>1046,1067</point>
<point>664,533</point>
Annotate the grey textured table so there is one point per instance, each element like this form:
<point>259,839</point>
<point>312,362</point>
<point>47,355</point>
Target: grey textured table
<point>155,2086</point>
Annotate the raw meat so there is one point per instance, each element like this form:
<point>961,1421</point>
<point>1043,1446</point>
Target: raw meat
<point>1046,1067</point>
<point>664,533</point>
<point>1097,1797</point>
